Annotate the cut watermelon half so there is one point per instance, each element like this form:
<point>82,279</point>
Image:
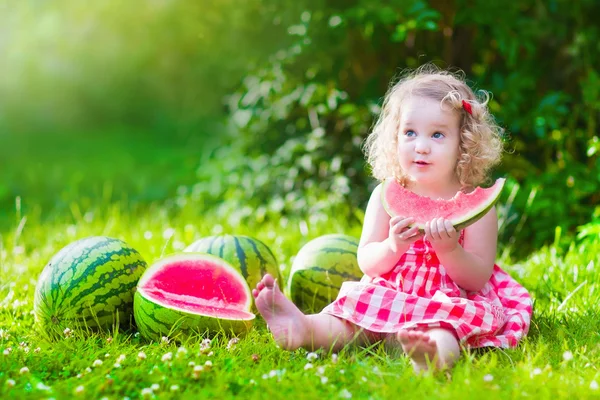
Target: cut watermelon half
<point>192,293</point>
<point>462,210</point>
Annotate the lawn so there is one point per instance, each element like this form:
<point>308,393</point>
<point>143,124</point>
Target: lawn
<point>124,185</point>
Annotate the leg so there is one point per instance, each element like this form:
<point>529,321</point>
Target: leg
<point>292,329</point>
<point>438,346</point>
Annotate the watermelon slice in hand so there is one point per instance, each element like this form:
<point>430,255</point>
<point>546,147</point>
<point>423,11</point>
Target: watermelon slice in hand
<point>192,293</point>
<point>462,210</point>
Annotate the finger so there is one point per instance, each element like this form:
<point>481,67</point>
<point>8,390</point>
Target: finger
<point>410,232</point>
<point>433,230</point>
<point>441,228</point>
<point>395,220</point>
<point>449,228</point>
<point>402,225</point>
<point>428,230</point>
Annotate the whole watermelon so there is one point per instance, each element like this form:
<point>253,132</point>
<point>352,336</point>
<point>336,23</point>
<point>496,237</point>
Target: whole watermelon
<point>88,284</point>
<point>320,268</point>
<point>251,257</point>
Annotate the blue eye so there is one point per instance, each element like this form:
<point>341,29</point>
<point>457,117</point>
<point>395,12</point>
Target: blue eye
<point>410,133</point>
<point>438,135</point>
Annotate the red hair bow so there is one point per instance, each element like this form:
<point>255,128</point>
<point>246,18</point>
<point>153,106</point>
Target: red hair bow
<point>467,107</point>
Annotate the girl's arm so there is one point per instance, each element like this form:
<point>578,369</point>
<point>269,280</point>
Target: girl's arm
<point>471,265</point>
<point>383,239</point>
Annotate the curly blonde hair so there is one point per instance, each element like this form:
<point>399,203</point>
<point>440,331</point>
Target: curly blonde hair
<point>480,136</point>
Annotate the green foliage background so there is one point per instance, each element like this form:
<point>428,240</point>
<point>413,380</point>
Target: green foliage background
<point>278,96</point>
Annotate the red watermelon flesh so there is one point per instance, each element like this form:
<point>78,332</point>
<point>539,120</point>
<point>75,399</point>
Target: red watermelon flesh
<point>198,284</point>
<point>462,210</point>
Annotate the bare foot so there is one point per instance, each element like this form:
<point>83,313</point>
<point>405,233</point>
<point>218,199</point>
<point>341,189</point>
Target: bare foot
<point>289,326</point>
<point>436,347</point>
<point>420,347</point>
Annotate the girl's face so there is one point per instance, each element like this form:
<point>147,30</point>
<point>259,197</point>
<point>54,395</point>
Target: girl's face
<point>428,142</point>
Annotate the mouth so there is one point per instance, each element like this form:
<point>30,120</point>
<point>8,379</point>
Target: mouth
<point>420,162</point>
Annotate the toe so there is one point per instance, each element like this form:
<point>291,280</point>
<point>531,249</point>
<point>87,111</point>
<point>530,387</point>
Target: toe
<point>268,281</point>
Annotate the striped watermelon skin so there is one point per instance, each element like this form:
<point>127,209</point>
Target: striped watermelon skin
<point>155,321</point>
<point>320,268</point>
<point>251,257</point>
<point>88,284</point>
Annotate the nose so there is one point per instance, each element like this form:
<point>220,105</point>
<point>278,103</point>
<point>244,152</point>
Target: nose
<point>422,146</point>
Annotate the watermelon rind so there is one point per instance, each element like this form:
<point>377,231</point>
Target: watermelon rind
<point>88,285</point>
<point>155,320</point>
<point>320,268</point>
<point>469,216</point>
<point>251,257</point>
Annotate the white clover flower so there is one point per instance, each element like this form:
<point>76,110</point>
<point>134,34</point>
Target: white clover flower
<point>79,389</point>
<point>24,371</point>
<point>97,363</point>
<point>320,370</point>
<point>109,339</point>
<point>141,355</point>
<point>88,370</point>
<point>265,376</point>
<point>121,358</point>
<point>174,388</point>
<point>345,394</point>
<point>334,358</point>
<point>536,371</point>
<point>146,392</point>
<point>41,386</point>
<point>168,233</point>
<point>37,350</point>
<point>208,364</point>
<point>198,368</point>
<point>167,357</point>
<point>155,387</point>
<point>210,354</point>
<point>272,373</point>
<point>117,365</point>
<point>567,356</point>
<point>308,366</point>
<point>594,385</point>
<point>10,382</point>
<point>324,380</point>
<point>7,351</point>
<point>4,334</point>
<point>164,340</point>
<point>191,364</point>
<point>488,378</point>
<point>107,355</point>
<point>232,343</point>
<point>147,235</point>
<point>78,376</point>
<point>312,356</point>
<point>181,352</point>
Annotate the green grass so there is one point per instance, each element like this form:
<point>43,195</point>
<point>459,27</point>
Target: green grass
<point>559,359</point>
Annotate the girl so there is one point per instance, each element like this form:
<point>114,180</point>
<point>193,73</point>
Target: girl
<point>430,294</point>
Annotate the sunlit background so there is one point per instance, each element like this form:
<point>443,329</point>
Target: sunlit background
<point>259,108</point>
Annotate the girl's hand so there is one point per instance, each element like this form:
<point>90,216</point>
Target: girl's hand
<point>400,235</point>
<point>441,234</point>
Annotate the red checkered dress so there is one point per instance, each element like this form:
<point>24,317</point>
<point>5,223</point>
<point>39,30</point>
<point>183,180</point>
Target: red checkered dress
<point>418,292</point>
